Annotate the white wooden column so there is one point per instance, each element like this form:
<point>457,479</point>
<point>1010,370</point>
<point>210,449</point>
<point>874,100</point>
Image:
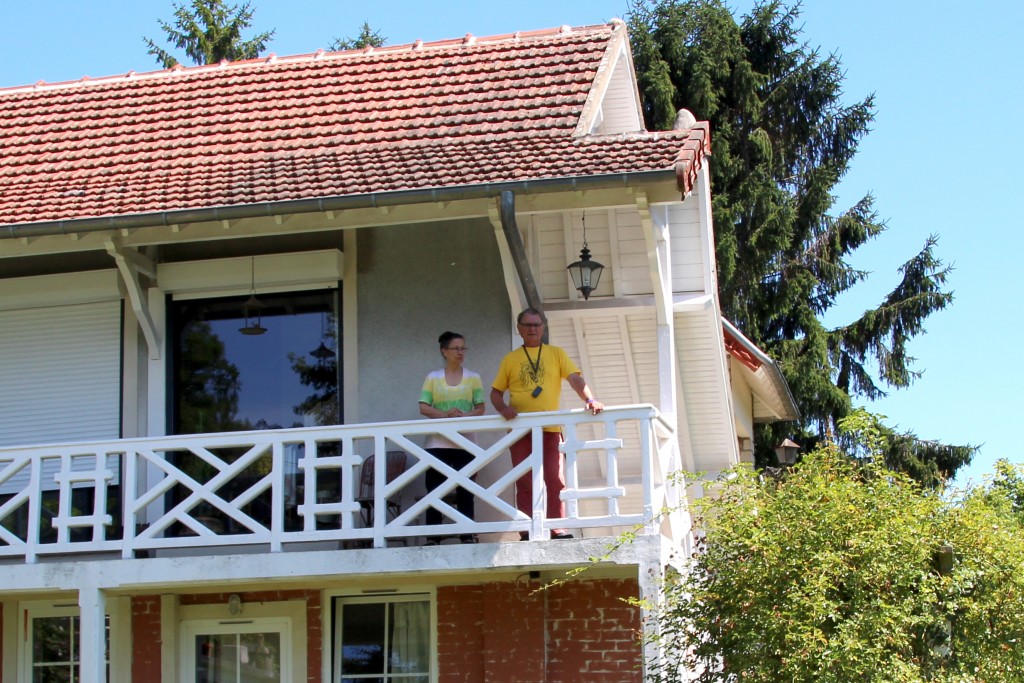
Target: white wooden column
<point>654,221</point>
<point>156,398</point>
<point>92,606</point>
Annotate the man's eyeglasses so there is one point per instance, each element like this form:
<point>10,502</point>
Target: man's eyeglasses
<point>531,324</point>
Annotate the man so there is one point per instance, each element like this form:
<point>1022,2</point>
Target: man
<point>532,375</point>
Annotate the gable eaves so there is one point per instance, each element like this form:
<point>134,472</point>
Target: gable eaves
<point>613,103</point>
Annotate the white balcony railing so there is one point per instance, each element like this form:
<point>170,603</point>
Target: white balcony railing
<point>295,486</point>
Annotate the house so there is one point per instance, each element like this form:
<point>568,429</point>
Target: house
<point>220,290</point>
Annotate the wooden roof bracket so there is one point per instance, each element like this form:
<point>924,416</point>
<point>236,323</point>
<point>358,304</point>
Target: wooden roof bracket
<point>131,264</point>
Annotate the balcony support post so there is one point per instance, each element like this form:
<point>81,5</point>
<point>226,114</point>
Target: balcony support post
<point>655,223</point>
<point>92,605</point>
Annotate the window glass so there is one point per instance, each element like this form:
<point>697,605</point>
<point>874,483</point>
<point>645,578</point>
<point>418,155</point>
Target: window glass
<point>229,380</point>
<point>54,647</point>
<point>383,641</point>
<point>247,651</point>
<point>238,657</point>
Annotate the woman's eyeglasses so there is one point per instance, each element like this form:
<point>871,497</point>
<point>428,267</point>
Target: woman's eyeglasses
<point>457,349</point>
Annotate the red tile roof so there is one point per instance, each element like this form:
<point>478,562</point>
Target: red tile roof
<point>453,113</point>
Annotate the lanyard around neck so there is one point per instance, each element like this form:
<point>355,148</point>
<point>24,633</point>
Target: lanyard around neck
<point>534,366</point>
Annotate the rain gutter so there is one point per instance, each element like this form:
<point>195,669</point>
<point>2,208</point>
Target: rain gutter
<point>335,203</point>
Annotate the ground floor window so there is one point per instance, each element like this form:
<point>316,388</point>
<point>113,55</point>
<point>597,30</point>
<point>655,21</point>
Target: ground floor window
<point>243,651</point>
<point>52,644</point>
<point>382,640</point>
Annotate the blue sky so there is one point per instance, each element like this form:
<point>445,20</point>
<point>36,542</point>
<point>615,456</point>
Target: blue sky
<point>942,157</point>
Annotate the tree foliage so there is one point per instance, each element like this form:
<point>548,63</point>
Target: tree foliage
<point>367,38</point>
<point>209,31</point>
<point>832,573</point>
<point>207,383</point>
<point>321,376</point>
<point>783,135</point>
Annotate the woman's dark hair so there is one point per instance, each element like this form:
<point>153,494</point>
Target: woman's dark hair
<point>447,338</point>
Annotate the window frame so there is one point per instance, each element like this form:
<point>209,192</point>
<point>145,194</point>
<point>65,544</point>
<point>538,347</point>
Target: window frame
<point>333,627</point>
<point>31,610</point>
<point>292,611</point>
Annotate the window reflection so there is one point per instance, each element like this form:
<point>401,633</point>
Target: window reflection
<point>55,652</point>
<point>226,381</point>
<point>238,657</point>
<point>385,641</point>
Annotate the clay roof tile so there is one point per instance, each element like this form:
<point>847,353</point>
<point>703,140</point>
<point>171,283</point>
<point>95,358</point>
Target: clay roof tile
<point>419,116</point>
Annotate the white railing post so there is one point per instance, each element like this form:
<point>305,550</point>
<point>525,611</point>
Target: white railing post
<point>277,492</point>
<point>129,519</point>
<point>540,490</point>
<point>35,509</point>
<point>648,444</point>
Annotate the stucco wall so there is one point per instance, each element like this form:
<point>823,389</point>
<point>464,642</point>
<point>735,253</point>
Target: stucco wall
<point>413,283</point>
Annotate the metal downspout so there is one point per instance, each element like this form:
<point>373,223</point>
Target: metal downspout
<point>518,250</point>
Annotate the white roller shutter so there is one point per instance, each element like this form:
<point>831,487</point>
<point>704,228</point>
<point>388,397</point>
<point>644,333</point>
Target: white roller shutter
<point>60,374</point>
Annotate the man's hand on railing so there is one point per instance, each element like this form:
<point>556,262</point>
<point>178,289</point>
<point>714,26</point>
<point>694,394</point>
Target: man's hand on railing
<point>508,412</point>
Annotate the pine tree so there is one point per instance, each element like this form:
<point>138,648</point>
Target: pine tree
<point>210,32</point>
<point>367,38</point>
<point>782,138</point>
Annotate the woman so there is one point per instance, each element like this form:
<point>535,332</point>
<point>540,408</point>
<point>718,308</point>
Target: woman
<point>452,391</point>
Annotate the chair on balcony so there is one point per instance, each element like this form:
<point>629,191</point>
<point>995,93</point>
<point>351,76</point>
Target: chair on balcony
<point>396,463</point>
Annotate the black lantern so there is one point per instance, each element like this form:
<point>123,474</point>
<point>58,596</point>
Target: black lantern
<point>252,309</point>
<point>585,273</point>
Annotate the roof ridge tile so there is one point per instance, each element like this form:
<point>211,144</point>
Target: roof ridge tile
<point>469,40</point>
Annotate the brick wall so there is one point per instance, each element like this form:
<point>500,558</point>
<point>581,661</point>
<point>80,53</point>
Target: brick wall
<point>510,632</point>
<point>501,632</point>
<point>593,635</point>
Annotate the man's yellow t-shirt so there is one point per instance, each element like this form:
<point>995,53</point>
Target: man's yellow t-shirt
<point>523,370</point>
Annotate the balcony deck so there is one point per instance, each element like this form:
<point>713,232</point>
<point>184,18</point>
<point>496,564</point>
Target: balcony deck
<point>296,489</point>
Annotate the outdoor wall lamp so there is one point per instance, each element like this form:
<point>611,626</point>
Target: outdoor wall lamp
<point>585,273</point>
<point>252,309</point>
<point>234,604</point>
<point>786,452</point>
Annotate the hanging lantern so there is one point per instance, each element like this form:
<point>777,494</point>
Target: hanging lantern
<point>252,309</point>
<point>585,273</point>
